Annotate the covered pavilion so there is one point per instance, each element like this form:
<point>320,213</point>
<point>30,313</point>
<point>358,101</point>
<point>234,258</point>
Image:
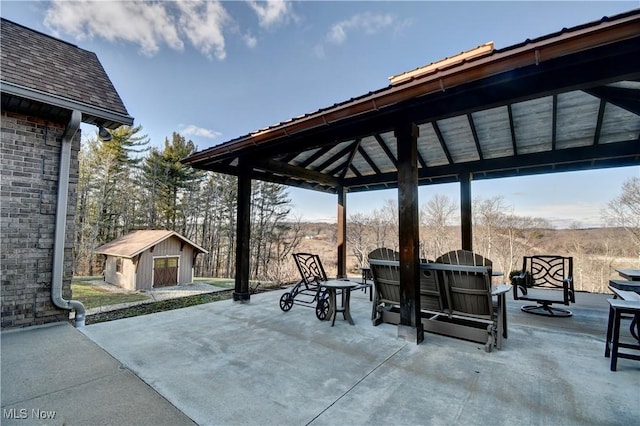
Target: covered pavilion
<point>566,101</point>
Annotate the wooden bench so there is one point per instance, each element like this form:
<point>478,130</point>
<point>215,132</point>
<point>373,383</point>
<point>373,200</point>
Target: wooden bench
<point>455,300</point>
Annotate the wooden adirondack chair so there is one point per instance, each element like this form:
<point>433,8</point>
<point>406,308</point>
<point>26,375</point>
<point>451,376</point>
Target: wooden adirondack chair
<point>469,295</point>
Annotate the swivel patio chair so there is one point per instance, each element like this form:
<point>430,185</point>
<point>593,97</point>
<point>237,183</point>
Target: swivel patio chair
<point>545,279</point>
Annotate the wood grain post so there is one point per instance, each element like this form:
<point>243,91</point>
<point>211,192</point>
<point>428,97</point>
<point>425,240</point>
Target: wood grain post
<point>410,327</point>
<point>342,232</point>
<point>243,233</point>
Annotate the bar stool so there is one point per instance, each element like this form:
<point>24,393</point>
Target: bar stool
<point>618,308</point>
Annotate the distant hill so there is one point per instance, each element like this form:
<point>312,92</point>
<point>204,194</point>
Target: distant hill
<point>597,252</point>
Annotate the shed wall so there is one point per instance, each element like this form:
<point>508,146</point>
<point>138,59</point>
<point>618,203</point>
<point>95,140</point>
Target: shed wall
<point>30,158</point>
<point>167,248</point>
<point>124,279</point>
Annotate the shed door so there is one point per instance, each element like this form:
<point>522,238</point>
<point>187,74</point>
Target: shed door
<point>165,271</point>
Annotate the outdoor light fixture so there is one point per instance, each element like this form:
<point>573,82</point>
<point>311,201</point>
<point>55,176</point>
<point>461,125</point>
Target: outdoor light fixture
<point>104,134</point>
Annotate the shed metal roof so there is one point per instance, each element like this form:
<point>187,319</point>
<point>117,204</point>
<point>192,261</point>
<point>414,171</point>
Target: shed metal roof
<point>44,76</point>
<point>565,101</point>
<point>136,242</point>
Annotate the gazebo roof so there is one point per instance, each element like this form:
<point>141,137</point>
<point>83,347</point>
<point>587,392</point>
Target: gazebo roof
<point>565,101</point>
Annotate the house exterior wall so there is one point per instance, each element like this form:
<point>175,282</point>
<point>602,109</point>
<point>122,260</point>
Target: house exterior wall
<point>30,158</point>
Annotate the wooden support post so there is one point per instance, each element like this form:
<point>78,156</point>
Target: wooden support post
<point>466,221</point>
<point>410,327</point>
<point>243,232</point>
<point>342,232</point>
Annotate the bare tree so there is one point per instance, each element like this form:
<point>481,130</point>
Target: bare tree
<point>437,215</point>
<point>359,233</point>
<point>624,211</point>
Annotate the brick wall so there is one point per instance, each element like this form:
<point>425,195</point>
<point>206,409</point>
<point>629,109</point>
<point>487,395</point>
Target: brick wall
<point>29,158</point>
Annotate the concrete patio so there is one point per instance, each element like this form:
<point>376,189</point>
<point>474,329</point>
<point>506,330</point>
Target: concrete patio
<point>228,364</point>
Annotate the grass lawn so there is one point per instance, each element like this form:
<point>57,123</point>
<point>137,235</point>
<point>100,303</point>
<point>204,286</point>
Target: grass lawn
<point>93,296</point>
<point>216,282</point>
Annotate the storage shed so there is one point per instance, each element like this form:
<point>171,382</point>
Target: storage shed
<point>143,260</point>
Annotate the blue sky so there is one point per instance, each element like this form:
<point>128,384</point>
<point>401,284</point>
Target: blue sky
<point>214,71</point>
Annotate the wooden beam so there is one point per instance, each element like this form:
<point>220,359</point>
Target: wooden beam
<point>410,327</point>
<point>625,98</point>
<point>569,159</point>
<point>278,167</point>
<point>243,231</point>
<point>342,232</point>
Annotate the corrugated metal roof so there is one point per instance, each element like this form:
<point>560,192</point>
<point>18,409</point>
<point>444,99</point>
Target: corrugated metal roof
<point>565,101</point>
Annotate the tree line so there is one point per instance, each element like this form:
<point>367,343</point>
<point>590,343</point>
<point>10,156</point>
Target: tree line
<point>125,185</point>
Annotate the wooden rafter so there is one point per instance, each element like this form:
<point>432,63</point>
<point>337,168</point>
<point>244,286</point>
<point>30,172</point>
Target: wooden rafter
<point>356,146</point>
<point>554,122</point>
<point>443,144</point>
<point>512,129</point>
<point>386,149</point>
<point>596,136</point>
<point>335,157</point>
<point>368,159</point>
<point>474,132</point>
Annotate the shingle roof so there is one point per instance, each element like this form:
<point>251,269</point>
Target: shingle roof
<point>132,244</point>
<point>43,64</point>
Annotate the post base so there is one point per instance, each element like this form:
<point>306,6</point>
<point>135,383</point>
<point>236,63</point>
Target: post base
<point>410,333</point>
<point>241,297</point>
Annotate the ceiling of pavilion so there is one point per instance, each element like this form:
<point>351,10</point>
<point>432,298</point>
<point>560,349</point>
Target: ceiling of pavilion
<point>566,101</point>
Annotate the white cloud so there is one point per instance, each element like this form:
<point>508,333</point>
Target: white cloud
<point>194,130</point>
<point>203,22</point>
<point>367,23</point>
<point>250,40</point>
<point>318,50</point>
<point>271,12</point>
<point>146,24</point>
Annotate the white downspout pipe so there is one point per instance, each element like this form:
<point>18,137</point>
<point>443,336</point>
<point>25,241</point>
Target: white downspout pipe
<point>61,222</point>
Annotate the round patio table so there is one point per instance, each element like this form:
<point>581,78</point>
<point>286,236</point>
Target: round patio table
<point>345,286</point>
